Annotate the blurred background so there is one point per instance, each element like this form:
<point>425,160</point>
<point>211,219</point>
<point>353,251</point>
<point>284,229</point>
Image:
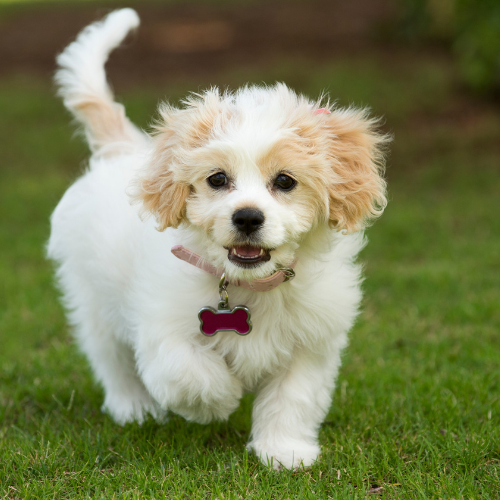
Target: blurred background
<point>431,68</point>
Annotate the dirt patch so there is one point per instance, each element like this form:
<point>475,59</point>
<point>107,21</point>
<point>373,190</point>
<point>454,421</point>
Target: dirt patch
<point>176,41</point>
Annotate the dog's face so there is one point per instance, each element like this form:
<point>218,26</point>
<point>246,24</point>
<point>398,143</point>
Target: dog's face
<point>253,173</point>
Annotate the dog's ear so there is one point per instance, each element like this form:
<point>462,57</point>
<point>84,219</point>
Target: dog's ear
<point>357,189</point>
<point>158,190</point>
<point>164,186</point>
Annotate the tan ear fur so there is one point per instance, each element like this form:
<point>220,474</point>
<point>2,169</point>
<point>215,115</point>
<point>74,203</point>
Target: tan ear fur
<point>166,199</point>
<point>357,192</point>
<point>157,189</point>
<point>164,186</point>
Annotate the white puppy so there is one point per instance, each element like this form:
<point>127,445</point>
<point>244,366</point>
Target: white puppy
<point>252,181</point>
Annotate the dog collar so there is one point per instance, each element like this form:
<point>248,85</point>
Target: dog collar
<point>281,275</point>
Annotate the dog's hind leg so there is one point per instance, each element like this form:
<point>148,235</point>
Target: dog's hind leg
<point>113,364</point>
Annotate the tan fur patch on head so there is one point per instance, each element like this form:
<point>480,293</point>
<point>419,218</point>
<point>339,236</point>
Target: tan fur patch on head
<point>338,158</point>
<point>296,157</point>
<point>164,186</point>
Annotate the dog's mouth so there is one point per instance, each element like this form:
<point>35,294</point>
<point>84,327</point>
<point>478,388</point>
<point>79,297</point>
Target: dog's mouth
<point>248,256</point>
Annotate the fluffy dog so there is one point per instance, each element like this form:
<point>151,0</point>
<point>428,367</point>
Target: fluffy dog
<point>252,181</point>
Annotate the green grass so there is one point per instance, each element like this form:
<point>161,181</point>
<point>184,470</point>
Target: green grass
<point>417,406</point>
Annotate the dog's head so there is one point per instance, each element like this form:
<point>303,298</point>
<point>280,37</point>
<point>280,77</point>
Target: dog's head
<point>254,172</point>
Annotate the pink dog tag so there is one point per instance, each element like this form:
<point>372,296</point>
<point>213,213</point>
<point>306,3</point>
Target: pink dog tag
<point>237,320</point>
<point>225,318</point>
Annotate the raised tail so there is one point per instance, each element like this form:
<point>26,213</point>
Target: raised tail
<point>82,82</point>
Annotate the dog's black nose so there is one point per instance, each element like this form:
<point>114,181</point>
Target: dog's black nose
<point>248,220</point>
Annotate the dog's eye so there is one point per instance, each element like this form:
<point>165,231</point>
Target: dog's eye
<point>217,180</point>
<point>284,182</point>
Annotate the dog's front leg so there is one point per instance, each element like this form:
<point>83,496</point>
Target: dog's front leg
<point>188,378</point>
<point>290,407</point>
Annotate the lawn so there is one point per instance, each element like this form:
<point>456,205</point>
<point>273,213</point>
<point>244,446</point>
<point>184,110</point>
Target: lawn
<point>416,412</point>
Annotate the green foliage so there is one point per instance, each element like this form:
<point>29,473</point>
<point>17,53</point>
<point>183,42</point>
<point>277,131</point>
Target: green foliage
<point>417,407</point>
<point>470,27</point>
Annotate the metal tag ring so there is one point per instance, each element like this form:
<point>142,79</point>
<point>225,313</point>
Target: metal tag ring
<point>288,272</point>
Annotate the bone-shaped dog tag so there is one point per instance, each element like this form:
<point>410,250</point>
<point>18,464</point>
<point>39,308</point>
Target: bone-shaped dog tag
<point>225,318</point>
<point>236,319</point>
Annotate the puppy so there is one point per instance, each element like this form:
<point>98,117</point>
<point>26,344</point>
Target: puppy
<point>257,185</point>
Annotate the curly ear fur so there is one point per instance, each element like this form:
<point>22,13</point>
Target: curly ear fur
<point>158,190</point>
<point>357,192</point>
<point>164,186</point>
<point>163,197</point>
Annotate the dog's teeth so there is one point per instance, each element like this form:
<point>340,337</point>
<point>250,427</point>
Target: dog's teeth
<point>247,257</point>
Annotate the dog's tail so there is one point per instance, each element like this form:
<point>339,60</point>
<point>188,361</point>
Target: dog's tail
<point>82,81</point>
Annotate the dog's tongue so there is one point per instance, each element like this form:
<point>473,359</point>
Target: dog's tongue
<point>247,251</point>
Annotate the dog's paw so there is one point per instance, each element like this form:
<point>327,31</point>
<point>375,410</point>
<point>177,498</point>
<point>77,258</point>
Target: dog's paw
<point>132,407</point>
<point>201,403</point>
<point>293,455</point>
<point>193,382</point>
<point>204,412</point>
<point>197,385</point>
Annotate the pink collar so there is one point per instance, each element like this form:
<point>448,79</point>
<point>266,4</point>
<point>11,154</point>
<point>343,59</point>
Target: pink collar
<point>260,285</point>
